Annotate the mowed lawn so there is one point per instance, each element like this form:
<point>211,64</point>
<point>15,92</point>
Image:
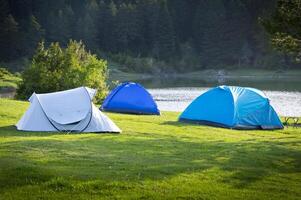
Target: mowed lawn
<point>155,157</point>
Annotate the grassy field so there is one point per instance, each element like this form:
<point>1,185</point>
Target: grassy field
<point>155,157</point>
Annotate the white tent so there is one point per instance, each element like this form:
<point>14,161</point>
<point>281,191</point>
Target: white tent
<point>70,111</point>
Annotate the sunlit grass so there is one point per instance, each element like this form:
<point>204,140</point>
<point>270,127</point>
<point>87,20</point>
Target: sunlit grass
<point>155,157</point>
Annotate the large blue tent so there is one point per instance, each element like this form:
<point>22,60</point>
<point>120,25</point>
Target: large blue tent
<point>130,97</point>
<point>233,107</point>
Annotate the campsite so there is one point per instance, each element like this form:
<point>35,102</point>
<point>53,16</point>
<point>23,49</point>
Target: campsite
<point>153,158</point>
<point>150,99</point>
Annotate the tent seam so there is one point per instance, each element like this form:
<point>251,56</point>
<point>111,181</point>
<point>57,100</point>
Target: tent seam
<point>45,114</point>
<point>149,94</point>
<point>90,110</point>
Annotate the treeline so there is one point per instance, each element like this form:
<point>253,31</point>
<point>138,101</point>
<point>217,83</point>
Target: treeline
<point>145,35</point>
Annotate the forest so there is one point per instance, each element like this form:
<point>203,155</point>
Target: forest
<point>151,36</point>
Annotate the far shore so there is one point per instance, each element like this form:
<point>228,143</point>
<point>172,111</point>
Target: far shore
<point>8,89</point>
<point>295,74</point>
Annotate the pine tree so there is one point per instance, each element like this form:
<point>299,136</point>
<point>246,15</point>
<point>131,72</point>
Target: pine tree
<point>21,9</point>
<point>209,38</point>
<point>85,27</point>
<point>235,32</point>
<point>164,43</point>
<point>41,12</point>
<point>150,10</point>
<point>182,13</point>
<point>78,7</point>
<point>211,32</point>
<point>60,24</point>
<point>126,29</point>
<point>105,26</point>
<point>86,31</point>
<point>32,35</point>
<point>4,9</point>
<point>9,38</point>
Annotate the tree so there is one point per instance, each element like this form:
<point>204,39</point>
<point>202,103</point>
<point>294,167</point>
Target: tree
<point>106,20</point>
<point>235,33</point>
<point>41,12</point>
<point>182,12</point>
<point>284,27</point>
<point>4,9</point>
<point>86,31</point>
<point>164,43</point>
<point>55,68</point>
<point>209,35</point>
<point>9,38</point>
<point>147,12</point>
<point>126,29</point>
<point>60,25</point>
<point>21,9</point>
<point>32,35</point>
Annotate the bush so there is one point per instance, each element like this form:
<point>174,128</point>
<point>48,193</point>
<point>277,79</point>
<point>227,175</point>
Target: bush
<point>4,72</point>
<point>55,68</point>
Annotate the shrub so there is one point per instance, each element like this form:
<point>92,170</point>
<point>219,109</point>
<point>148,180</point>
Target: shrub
<point>4,72</point>
<point>55,68</point>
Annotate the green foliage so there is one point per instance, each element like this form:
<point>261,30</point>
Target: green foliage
<point>221,33</point>
<point>9,37</point>
<point>164,37</point>
<point>216,24</point>
<point>4,72</point>
<point>209,32</point>
<point>55,68</point>
<point>284,27</point>
<point>60,25</point>
<point>155,157</point>
<point>86,28</point>
<point>137,64</point>
<point>33,34</point>
<point>8,79</point>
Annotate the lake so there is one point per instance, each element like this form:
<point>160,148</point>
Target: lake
<point>175,94</point>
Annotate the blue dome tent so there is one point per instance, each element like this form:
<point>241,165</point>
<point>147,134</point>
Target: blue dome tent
<point>132,98</point>
<point>233,107</point>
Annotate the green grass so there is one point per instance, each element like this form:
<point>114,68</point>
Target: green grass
<point>155,157</point>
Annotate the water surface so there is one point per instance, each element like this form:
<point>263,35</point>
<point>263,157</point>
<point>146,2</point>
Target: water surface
<point>286,103</point>
<point>176,94</point>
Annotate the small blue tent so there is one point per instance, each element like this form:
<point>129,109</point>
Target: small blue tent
<point>233,107</point>
<point>130,98</point>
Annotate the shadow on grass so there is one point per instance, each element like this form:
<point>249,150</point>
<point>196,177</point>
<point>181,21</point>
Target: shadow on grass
<point>135,159</point>
<point>12,131</point>
<point>298,125</point>
<point>18,171</point>
<point>194,124</point>
<point>182,124</point>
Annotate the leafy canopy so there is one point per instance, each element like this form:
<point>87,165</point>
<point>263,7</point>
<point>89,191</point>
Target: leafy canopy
<point>284,27</point>
<point>55,68</point>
